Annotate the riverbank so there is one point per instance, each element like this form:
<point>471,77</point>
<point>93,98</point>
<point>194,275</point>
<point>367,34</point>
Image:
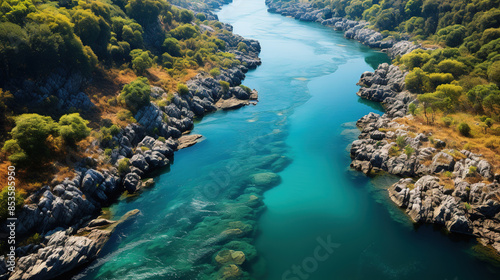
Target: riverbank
<point>65,212</point>
<point>454,188</point>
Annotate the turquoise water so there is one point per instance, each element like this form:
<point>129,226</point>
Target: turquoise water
<point>305,116</point>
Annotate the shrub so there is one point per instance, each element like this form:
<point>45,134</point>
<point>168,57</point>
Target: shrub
<point>123,166</point>
<point>141,60</point>
<point>447,174</point>
<point>108,152</point>
<point>472,170</point>
<point>464,129</point>
<point>215,72</point>
<point>136,94</point>
<point>161,139</point>
<point>400,141</point>
<point>412,108</point>
<point>4,201</point>
<point>467,206</point>
<point>409,150</point>
<point>242,47</point>
<point>447,121</point>
<point>73,128</point>
<point>126,116</point>
<point>394,151</point>
<point>246,89</point>
<point>29,138</point>
<point>114,130</point>
<point>201,17</point>
<point>225,86</point>
<point>182,89</point>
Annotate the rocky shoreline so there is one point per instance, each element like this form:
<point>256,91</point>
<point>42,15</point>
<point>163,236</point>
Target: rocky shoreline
<point>65,212</point>
<point>436,182</point>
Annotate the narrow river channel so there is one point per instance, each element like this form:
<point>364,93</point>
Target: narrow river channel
<point>323,221</point>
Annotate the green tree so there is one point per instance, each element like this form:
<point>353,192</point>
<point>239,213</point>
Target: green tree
<point>145,11</point>
<point>453,35</point>
<point>416,58</point>
<point>29,137</point>
<point>464,129</point>
<point>456,68</point>
<point>418,81</point>
<point>136,94</point>
<point>186,16</point>
<point>141,60</point>
<point>73,128</point>
<point>172,47</point>
<point>494,72</point>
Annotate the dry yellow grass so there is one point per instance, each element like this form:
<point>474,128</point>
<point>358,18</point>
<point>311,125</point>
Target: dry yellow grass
<point>480,143</point>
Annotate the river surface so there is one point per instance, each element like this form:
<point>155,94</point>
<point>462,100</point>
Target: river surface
<point>323,221</point>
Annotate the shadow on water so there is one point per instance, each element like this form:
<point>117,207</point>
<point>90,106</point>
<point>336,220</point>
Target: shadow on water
<point>375,59</point>
<point>377,106</point>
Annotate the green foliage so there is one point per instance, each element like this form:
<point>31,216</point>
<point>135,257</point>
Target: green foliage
<point>394,151</point>
<point>440,78</point>
<point>447,121</point>
<point>467,206</point>
<point>29,138</point>
<point>186,16</point>
<point>172,47</point>
<point>184,32</point>
<point>412,108</point>
<point>18,202</point>
<point>201,16</point>
<point>73,128</point>
<point>409,150</point>
<point>136,94</point>
<point>453,35</point>
<point>418,81</point>
<point>472,170</point>
<point>494,72</point>
<point>125,115</point>
<point>416,58</point>
<point>141,60</point>
<point>485,99</point>
<point>215,72</point>
<point>456,68</point>
<point>246,89</point>
<point>182,89</point>
<point>464,129</point>
<point>242,47</point>
<point>123,166</point>
<point>225,86</point>
<point>145,11</point>
<point>400,141</point>
<point>162,139</point>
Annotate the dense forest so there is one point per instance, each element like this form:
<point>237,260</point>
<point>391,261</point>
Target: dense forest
<point>119,49</point>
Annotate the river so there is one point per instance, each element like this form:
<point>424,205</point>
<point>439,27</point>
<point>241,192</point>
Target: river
<point>323,221</point>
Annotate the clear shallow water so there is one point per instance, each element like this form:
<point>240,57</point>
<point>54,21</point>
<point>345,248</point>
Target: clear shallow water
<point>306,113</point>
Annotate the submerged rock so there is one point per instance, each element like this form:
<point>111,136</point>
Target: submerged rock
<point>188,140</point>
<point>230,257</point>
<point>265,179</point>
